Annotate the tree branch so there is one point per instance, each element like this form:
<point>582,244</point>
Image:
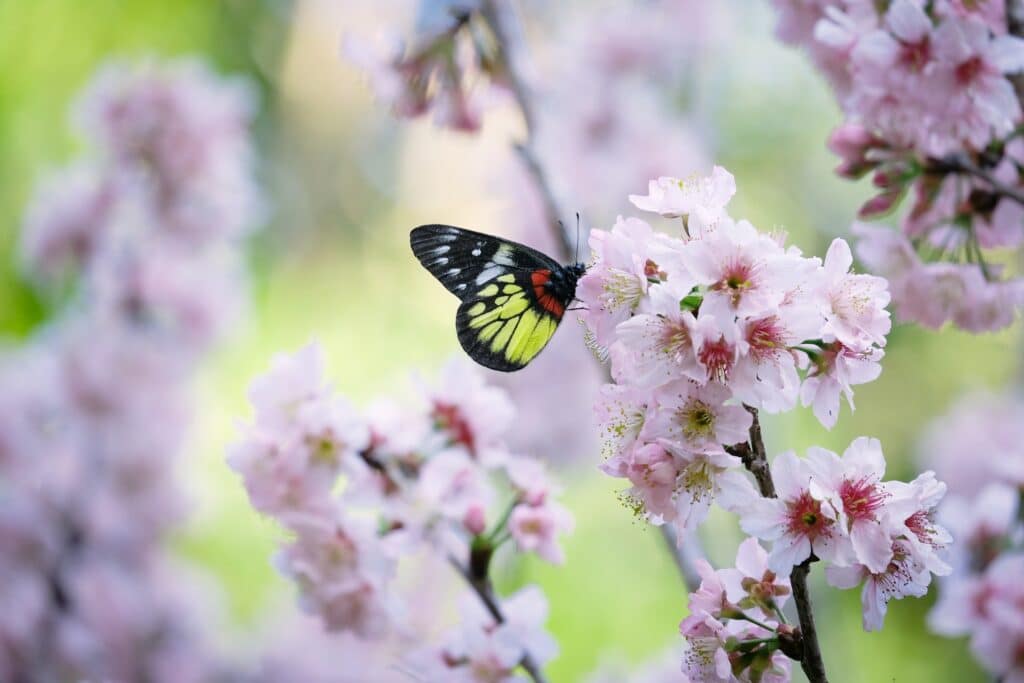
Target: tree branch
<point>509,34</point>
<point>481,585</point>
<point>684,556</point>
<point>754,457</point>
<point>961,163</point>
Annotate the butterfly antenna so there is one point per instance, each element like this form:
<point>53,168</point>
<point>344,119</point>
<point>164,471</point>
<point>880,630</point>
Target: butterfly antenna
<point>576,254</point>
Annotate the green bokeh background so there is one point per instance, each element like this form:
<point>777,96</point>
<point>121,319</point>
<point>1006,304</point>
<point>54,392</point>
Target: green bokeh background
<point>333,264</point>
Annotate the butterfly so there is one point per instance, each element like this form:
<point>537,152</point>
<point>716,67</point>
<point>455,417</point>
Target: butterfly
<point>513,297</point>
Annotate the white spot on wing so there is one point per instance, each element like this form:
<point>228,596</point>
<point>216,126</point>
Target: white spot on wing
<point>503,256</point>
<point>453,271</point>
<point>476,252</point>
<point>443,249</point>
<point>489,273</point>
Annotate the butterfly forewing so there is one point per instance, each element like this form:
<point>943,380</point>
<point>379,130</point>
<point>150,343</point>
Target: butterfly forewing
<point>509,309</point>
<point>462,259</point>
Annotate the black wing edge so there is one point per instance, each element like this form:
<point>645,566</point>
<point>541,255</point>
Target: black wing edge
<point>479,351</point>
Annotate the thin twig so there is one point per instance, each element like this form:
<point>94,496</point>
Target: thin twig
<point>685,555</point>
<point>552,214</point>
<point>482,587</point>
<point>961,163</point>
<point>508,33</point>
<point>754,457</point>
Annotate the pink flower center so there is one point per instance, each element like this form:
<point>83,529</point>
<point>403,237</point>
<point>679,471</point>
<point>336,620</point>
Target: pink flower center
<point>737,278</point>
<point>697,420</point>
<point>449,417</point>
<point>717,357</point>
<point>967,72</point>
<point>675,338</point>
<point>804,517</point>
<point>914,56</point>
<point>766,338</point>
<point>920,524</point>
<point>861,498</point>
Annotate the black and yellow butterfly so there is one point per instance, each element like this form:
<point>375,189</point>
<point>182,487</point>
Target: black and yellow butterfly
<point>513,297</point>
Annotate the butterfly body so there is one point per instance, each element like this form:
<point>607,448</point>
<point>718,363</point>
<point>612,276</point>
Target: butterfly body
<point>513,297</point>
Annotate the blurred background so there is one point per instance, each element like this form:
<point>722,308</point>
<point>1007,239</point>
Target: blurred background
<point>345,181</point>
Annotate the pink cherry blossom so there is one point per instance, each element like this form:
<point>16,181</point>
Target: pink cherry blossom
<point>852,485</point>
<point>615,284</point>
<point>798,522</point>
<point>695,418</point>
<point>855,304</point>
<point>835,371</point>
<point>661,342</point>
<point>536,529</point>
<point>904,576</point>
<point>700,201</point>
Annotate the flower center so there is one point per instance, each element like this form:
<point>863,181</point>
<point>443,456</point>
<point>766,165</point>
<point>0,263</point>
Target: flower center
<point>698,420</point>
<point>675,338</point>
<point>448,417</point>
<point>737,278</point>
<point>914,56</point>
<point>861,498</point>
<point>621,290</point>
<point>967,72</point>
<point>805,518</point>
<point>766,338</point>
<point>717,357</point>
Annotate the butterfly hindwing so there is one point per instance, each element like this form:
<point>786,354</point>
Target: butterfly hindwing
<point>503,325</point>
<point>513,297</point>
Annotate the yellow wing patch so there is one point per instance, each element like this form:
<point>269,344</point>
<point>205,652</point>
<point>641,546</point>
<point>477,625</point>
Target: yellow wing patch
<point>508,326</point>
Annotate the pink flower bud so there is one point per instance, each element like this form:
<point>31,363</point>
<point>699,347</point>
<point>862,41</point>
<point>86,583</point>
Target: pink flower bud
<point>850,140</point>
<point>880,205</point>
<point>475,520</point>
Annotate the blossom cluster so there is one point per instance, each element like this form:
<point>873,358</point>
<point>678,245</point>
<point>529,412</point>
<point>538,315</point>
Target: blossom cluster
<point>139,240</point>
<point>696,324</point>
<point>360,491</point>
<point>979,448</point>
<point>932,111</point>
<point>705,329</point>
<point>882,534</point>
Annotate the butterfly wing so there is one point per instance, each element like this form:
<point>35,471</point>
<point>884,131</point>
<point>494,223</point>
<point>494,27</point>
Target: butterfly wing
<point>508,314</point>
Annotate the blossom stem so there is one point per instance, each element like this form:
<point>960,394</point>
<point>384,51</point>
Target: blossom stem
<point>500,526</point>
<point>756,622</point>
<point>754,457</point>
<point>480,582</point>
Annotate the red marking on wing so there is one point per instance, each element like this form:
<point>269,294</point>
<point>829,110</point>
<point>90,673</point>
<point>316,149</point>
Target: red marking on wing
<point>540,279</point>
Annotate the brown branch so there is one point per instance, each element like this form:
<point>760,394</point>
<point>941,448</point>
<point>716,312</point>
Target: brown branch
<point>508,32</point>
<point>754,457</point>
<point>961,163</point>
<point>481,585</point>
